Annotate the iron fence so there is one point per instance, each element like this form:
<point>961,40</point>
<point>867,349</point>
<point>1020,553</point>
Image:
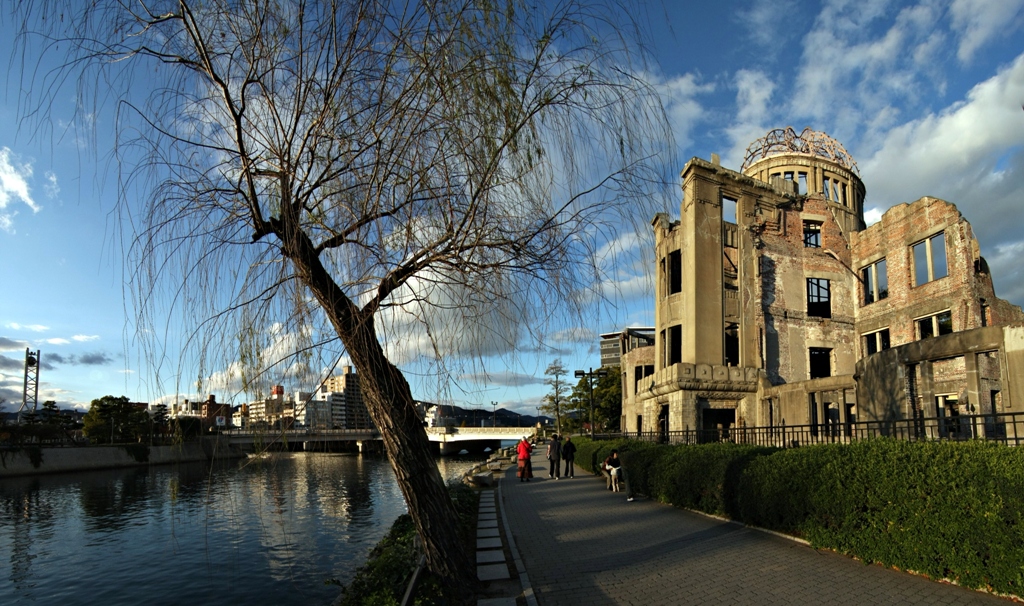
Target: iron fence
<point>1005,428</point>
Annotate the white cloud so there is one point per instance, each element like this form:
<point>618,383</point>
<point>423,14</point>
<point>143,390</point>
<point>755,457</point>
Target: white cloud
<point>84,338</point>
<point>56,341</point>
<point>971,154</point>
<point>679,96</point>
<point>1007,271</point>
<point>13,187</point>
<point>31,327</point>
<point>577,334</point>
<point>977,21</point>
<point>505,378</point>
<point>768,22</point>
<point>51,188</point>
<point>629,288</point>
<point>873,215</point>
<point>933,153</point>
<point>860,63</point>
<point>754,92</point>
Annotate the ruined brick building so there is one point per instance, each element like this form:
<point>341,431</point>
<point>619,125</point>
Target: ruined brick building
<point>776,305</point>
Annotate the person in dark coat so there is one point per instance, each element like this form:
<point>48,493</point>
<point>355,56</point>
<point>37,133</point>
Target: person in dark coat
<point>554,456</point>
<point>568,455</point>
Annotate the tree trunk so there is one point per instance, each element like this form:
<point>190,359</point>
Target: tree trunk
<point>390,403</point>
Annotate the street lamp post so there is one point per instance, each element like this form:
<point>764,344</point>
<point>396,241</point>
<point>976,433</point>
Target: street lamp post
<point>494,414</point>
<point>590,384</point>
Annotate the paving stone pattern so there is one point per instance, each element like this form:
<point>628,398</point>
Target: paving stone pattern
<point>582,544</point>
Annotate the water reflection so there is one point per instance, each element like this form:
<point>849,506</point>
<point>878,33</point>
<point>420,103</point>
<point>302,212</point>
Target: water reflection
<point>111,503</point>
<point>265,533</point>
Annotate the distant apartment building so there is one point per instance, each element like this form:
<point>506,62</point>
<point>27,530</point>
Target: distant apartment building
<point>348,411</point>
<point>240,417</point>
<point>337,404</point>
<point>775,304</point>
<point>215,414</point>
<point>616,344</point>
<point>274,410</point>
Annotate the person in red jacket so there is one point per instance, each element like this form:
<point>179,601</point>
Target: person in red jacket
<point>525,468</point>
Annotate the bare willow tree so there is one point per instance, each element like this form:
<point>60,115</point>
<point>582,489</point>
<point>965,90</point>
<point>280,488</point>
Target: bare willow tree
<point>559,390</point>
<point>330,169</point>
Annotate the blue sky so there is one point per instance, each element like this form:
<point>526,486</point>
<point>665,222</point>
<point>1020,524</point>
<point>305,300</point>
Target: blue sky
<point>927,97</point>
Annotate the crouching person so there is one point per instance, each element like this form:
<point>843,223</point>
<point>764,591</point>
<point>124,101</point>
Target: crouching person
<point>615,475</point>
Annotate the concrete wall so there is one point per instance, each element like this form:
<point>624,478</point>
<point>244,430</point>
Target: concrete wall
<point>57,460</point>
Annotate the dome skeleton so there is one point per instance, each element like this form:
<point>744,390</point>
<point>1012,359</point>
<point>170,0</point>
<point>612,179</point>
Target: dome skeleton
<point>785,141</point>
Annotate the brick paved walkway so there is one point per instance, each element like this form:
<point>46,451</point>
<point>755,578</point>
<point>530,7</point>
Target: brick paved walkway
<point>582,544</point>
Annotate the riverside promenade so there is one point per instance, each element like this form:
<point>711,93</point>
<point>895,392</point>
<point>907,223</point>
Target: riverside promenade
<point>581,544</point>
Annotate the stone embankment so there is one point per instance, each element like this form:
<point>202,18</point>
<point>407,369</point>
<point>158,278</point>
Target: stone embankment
<point>32,461</point>
<point>482,475</point>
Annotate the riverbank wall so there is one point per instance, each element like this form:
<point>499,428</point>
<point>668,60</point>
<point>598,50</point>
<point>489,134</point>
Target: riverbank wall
<point>33,461</point>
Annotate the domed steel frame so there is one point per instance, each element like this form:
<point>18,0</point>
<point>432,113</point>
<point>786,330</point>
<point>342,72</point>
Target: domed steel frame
<point>785,141</point>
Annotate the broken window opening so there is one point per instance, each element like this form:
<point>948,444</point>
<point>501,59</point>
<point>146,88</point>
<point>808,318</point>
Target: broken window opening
<point>935,325</point>
<point>675,272</point>
<point>875,282</point>
<point>675,344</point>
<point>812,234</point>
<point>728,210</point>
<point>877,341</point>
<point>818,298</point>
<point>801,183</point>
<point>820,362</point>
<point>732,344</point>
<point>930,259</point>
<point>663,278</point>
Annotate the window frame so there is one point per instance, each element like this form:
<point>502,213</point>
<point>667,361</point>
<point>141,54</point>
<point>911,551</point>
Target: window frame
<point>819,297</point>
<point>881,339</point>
<point>935,325</point>
<point>929,259</point>
<point>812,231</point>
<point>871,291</point>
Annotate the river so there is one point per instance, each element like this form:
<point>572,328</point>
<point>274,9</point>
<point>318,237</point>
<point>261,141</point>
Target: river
<point>240,532</point>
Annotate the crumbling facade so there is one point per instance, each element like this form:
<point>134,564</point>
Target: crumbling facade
<point>776,305</point>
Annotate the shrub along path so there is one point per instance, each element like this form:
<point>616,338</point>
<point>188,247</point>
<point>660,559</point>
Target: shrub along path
<point>584,545</point>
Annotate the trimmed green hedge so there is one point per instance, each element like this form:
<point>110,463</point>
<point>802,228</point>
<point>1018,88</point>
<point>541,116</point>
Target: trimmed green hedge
<point>946,509</point>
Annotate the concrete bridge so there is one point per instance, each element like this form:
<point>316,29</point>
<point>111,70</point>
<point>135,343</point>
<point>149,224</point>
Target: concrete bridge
<point>449,440</point>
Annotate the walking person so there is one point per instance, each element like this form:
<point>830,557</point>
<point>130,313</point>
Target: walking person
<point>525,467</point>
<point>554,456</point>
<point>569,456</point>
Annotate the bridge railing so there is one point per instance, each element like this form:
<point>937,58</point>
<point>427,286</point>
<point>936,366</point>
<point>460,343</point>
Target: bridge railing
<point>494,431</point>
<point>300,432</point>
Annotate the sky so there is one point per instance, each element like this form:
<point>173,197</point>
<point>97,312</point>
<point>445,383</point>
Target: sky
<point>928,98</point>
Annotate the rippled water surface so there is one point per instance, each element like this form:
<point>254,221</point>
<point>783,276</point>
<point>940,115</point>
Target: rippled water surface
<point>269,532</point>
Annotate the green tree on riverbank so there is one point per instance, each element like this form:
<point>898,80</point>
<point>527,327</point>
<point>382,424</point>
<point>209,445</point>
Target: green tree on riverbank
<point>115,420</point>
<point>607,400</point>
